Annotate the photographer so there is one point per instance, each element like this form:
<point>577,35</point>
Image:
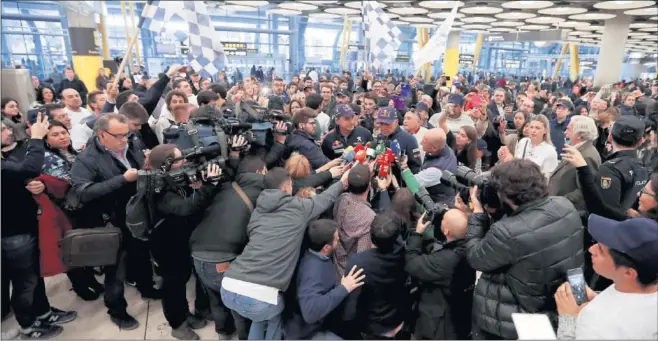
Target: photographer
<point>524,257</point>
<point>446,279</point>
<point>176,209</point>
<point>213,252</point>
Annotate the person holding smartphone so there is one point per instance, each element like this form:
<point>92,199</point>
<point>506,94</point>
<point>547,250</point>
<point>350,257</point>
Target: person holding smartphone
<point>626,253</point>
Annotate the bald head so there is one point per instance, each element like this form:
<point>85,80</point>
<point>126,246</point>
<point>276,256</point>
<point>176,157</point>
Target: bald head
<point>72,99</point>
<point>436,137</point>
<point>454,224</point>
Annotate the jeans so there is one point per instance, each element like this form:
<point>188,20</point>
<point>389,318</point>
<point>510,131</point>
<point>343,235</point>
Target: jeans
<point>265,317</point>
<point>325,335</point>
<point>20,262</point>
<point>226,320</point>
<point>115,275</point>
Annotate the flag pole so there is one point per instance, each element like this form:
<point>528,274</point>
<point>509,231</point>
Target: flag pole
<point>365,38</point>
<point>125,56</point>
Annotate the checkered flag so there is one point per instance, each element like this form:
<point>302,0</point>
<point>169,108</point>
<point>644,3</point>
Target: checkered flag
<point>206,51</point>
<point>384,37</point>
<point>155,14</point>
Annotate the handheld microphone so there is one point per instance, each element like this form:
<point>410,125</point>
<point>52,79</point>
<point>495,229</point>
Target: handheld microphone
<point>348,155</point>
<point>395,148</point>
<point>380,149</point>
<point>370,153</point>
<point>359,147</point>
<point>360,156</point>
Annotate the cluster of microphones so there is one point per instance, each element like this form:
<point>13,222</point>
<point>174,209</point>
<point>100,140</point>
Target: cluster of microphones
<point>382,155</point>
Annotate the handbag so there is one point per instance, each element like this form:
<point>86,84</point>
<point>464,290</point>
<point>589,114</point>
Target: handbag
<point>97,246</point>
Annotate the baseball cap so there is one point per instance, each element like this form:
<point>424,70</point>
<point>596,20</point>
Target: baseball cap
<point>421,106</point>
<point>342,93</point>
<point>564,103</point>
<point>344,110</point>
<point>386,115</point>
<point>637,238</point>
<point>628,129</point>
<point>456,99</point>
<point>483,147</point>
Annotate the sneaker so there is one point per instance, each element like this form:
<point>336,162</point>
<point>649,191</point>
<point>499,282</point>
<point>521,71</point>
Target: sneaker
<point>10,334</point>
<point>195,322</point>
<point>41,331</point>
<point>56,316</point>
<point>86,293</point>
<point>124,321</point>
<point>184,332</point>
<point>130,283</point>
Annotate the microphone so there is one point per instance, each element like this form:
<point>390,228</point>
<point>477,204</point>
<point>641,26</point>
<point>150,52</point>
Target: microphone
<point>360,156</point>
<point>380,149</point>
<point>348,154</point>
<point>370,153</point>
<point>359,147</point>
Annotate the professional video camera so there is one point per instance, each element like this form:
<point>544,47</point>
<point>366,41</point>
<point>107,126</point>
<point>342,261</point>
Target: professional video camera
<point>198,159</point>
<point>251,112</point>
<point>464,178</point>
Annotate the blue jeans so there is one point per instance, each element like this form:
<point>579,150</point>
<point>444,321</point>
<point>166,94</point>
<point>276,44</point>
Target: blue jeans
<point>265,317</point>
<point>325,335</point>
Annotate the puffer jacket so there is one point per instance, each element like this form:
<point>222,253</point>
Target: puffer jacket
<point>524,258</point>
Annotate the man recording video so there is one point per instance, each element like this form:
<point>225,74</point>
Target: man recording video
<point>525,255</point>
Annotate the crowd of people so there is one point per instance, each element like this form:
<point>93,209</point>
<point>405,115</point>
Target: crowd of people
<point>294,237</point>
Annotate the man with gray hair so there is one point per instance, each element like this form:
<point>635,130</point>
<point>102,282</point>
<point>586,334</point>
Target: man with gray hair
<point>581,131</point>
<point>104,178</point>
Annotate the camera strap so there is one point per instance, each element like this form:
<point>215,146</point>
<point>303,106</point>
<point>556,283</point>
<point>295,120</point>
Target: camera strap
<point>525,149</point>
<point>243,196</point>
<point>193,132</point>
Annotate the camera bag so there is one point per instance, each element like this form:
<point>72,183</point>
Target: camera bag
<point>97,246</point>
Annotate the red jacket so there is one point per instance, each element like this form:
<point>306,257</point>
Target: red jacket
<point>53,224</point>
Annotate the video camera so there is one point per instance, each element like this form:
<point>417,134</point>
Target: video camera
<point>198,159</point>
<point>464,178</point>
<point>251,112</point>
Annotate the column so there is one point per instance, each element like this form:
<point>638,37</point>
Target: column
<point>84,47</point>
<point>611,54</point>
<point>451,56</point>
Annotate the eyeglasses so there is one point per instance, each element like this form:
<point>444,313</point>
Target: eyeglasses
<point>118,136</point>
<point>312,122</point>
<point>644,191</point>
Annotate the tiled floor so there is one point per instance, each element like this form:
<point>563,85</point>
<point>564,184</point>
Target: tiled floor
<point>94,323</point>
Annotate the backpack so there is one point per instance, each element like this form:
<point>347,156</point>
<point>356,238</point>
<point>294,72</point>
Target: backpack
<point>140,214</point>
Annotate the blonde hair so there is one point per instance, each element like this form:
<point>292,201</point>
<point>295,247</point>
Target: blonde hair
<point>306,192</point>
<point>544,121</point>
<point>298,166</point>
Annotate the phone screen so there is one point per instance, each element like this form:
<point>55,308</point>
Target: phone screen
<point>577,283</point>
<point>533,327</point>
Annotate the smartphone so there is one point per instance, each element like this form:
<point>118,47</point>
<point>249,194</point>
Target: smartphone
<point>576,280</point>
<point>447,78</point>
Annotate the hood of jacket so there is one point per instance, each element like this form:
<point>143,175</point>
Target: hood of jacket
<point>271,200</point>
<point>250,180</point>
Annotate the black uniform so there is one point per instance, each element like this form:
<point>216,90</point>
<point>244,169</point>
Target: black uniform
<point>408,145</point>
<point>334,143</point>
<point>621,178</point>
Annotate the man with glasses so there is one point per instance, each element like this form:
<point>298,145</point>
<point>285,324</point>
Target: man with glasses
<point>302,141</point>
<point>104,177</point>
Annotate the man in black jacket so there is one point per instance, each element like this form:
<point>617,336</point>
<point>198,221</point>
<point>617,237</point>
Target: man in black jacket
<point>22,161</point>
<point>301,140</point>
<point>524,257</point>
<point>71,81</point>
<point>446,280</point>
<point>214,248</point>
<point>104,177</point>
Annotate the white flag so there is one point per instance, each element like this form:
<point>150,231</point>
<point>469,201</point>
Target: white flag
<point>436,46</point>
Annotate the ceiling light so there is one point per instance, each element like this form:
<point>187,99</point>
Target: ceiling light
<point>400,22</point>
<point>649,29</point>
<point>575,24</point>
<point>320,2</point>
<point>249,3</point>
<point>417,19</point>
<point>481,10</point>
<point>595,27</point>
<point>592,16</point>
<point>424,25</point>
<point>577,33</point>
<point>544,20</point>
<point>642,11</point>
<point>591,35</point>
<point>478,20</point>
<point>357,4</point>
<point>540,43</point>
<point>474,31</point>
<point>343,11</point>
<point>456,23</point>
<point>643,25</point>
<point>444,15</point>
<point>623,4</point>
<point>397,1</point>
<point>507,23</point>
<point>321,15</point>
<point>536,27</point>
<point>648,43</point>
<point>283,11</point>
<point>638,34</point>
<point>562,10</point>
<point>236,8</point>
<point>440,4</point>
<point>653,18</point>
<point>476,27</point>
<point>298,6</point>
<point>501,29</point>
<point>515,15</point>
<point>528,4</point>
<point>654,38</point>
<point>407,10</point>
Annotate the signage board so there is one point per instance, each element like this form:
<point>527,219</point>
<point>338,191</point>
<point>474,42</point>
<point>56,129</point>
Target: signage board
<point>466,59</point>
<point>402,58</point>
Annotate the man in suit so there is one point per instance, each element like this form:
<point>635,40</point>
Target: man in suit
<point>581,133</point>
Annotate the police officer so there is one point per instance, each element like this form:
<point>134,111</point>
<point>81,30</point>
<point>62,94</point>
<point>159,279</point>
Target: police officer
<point>387,120</point>
<point>623,176</point>
<point>347,133</point>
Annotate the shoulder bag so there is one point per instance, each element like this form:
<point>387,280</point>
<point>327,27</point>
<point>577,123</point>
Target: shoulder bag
<point>97,246</point>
